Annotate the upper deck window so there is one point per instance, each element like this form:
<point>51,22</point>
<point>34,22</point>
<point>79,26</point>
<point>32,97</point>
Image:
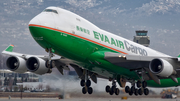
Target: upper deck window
<point>50,10</point>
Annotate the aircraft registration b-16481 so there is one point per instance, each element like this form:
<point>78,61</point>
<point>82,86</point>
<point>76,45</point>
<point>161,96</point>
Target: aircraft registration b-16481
<point>94,53</point>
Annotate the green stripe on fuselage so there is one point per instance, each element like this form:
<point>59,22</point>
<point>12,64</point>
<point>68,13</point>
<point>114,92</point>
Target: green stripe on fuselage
<point>79,50</point>
<point>84,53</point>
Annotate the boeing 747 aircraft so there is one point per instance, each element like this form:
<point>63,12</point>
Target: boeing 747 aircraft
<point>93,53</point>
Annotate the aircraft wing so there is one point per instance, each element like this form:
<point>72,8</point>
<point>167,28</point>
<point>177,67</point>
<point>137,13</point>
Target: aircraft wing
<point>135,62</point>
<point>9,51</point>
<point>169,66</point>
<point>129,61</point>
<point>59,62</point>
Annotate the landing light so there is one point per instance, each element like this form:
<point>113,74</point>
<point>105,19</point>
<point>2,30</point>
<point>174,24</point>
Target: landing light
<point>124,56</point>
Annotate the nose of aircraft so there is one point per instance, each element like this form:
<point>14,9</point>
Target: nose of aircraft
<point>35,21</point>
<point>33,28</point>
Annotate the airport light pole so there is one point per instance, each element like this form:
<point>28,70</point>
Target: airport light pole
<point>21,90</point>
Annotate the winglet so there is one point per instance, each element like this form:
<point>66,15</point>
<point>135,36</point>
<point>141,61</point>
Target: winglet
<point>9,48</point>
<point>179,55</point>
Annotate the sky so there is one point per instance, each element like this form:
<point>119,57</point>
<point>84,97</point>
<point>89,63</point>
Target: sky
<point>121,17</point>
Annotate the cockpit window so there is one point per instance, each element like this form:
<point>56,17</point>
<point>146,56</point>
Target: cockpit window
<point>50,10</point>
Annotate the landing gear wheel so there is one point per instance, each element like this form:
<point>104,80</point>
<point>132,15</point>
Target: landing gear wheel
<point>127,89</point>
<point>144,84</point>
<point>90,90</point>
<point>136,92</point>
<point>117,91</point>
<point>138,84</point>
<point>111,92</point>
<point>47,64</point>
<point>84,90</point>
<point>82,83</point>
<point>146,91</point>
<point>52,64</point>
<point>88,83</point>
<point>130,93</point>
<point>132,89</point>
<point>108,89</point>
<point>113,88</point>
<point>140,92</point>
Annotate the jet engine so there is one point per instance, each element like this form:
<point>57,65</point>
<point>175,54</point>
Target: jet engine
<point>16,64</point>
<point>161,67</point>
<point>37,65</point>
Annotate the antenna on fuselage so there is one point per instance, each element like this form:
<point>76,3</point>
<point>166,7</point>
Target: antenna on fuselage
<point>142,38</point>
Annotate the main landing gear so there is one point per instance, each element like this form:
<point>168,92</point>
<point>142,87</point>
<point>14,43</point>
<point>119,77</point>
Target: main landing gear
<point>141,88</point>
<point>86,85</point>
<point>113,89</point>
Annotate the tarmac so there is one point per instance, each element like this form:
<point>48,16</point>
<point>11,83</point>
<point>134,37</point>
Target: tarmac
<point>88,99</point>
<point>42,96</point>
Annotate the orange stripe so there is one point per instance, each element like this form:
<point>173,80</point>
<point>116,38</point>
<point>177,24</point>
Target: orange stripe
<point>77,36</point>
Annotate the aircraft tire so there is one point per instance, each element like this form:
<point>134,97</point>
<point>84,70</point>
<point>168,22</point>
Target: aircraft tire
<point>144,84</point>
<point>88,83</point>
<point>82,83</point>
<point>127,89</point>
<point>47,64</point>
<point>113,88</point>
<point>117,91</point>
<point>140,92</point>
<point>138,84</point>
<point>111,92</point>
<point>146,91</point>
<point>136,92</point>
<point>84,91</point>
<point>51,64</point>
<point>130,93</point>
<point>108,88</point>
<point>132,89</point>
<point>90,90</point>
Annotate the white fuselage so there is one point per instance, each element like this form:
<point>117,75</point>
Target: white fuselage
<point>72,23</point>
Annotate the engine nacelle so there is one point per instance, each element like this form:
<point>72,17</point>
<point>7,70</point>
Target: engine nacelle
<point>161,67</point>
<point>16,64</point>
<point>37,65</point>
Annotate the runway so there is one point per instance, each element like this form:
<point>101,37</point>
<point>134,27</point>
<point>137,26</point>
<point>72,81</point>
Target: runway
<point>88,99</point>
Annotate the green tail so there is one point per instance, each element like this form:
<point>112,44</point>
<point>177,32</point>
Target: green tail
<point>10,48</point>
